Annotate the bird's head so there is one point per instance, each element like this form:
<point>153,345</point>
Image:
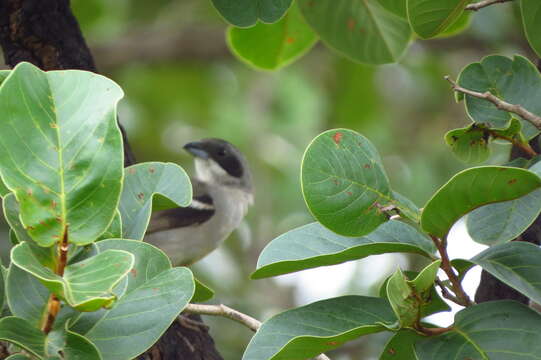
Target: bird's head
<point>219,162</point>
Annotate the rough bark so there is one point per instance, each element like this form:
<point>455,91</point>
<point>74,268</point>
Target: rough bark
<point>46,34</point>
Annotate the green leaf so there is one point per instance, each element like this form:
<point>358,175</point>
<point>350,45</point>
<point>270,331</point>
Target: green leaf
<point>516,81</point>
<point>309,330</point>
<point>67,168</point>
<point>364,31</point>
<point>472,188</point>
<point>202,292</point>
<point>425,280</point>
<point>462,266</point>
<point>402,299</point>
<point>114,230</point>
<point>142,182</point>
<point>272,46</point>
<point>343,182</point>
<point>407,207</point>
<point>25,295</point>
<point>70,345</point>
<point>501,222</point>
<point>86,285</point>
<point>496,330</point>
<point>313,245</point>
<point>18,357</point>
<point>20,332</point>
<point>516,264</point>
<point>400,346</point>
<point>531,18</point>
<point>432,304</point>
<point>461,24</point>
<point>155,295</point>
<point>2,287</point>
<point>470,144</point>
<point>3,189</point>
<point>3,75</point>
<point>432,17</point>
<point>397,7</point>
<point>245,13</point>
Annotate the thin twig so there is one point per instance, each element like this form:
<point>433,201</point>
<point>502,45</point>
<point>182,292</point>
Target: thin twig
<point>525,147</point>
<point>226,311</point>
<point>445,293</point>
<point>53,304</point>
<point>481,4</point>
<point>500,104</point>
<point>461,296</point>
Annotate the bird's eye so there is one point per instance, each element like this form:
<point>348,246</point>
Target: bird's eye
<point>222,152</point>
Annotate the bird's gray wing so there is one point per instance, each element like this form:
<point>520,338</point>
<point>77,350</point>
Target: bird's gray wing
<point>200,210</point>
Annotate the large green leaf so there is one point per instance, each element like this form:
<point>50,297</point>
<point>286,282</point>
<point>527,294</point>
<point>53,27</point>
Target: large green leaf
<point>498,223</point>
<point>307,331</point>
<point>142,183</point>
<point>472,188</point>
<point>429,18</point>
<point>313,245</point>
<point>471,144</point>
<point>272,46</point>
<point>343,182</point>
<point>155,295</point>
<point>397,7</point>
<point>86,285</point>
<point>495,330</point>
<point>245,13</point>
<point>21,333</point>
<point>516,81</point>
<point>531,18</point>
<point>61,151</point>
<point>516,264</point>
<point>364,31</point>
<point>25,295</point>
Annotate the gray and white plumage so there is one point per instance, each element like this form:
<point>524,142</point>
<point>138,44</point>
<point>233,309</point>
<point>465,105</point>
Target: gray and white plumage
<point>222,193</point>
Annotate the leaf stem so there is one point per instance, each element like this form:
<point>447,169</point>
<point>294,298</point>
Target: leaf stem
<point>432,331</point>
<point>53,304</point>
<point>235,315</point>
<point>500,104</point>
<point>481,4</point>
<point>461,298</point>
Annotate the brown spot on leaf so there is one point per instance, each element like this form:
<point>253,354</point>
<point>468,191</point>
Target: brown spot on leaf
<point>290,40</point>
<point>53,204</point>
<point>503,169</point>
<point>155,289</point>
<point>362,30</point>
<point>53,125</point>
<point>391,351</point>
<point>131,171</point>
<point>351,24</point>
<point>336,181</point>
<point>58,219</point>
<point>141,196</point>
<point>151,170</point>
<point>337,137</point>
<point>333,343</point>
<point>349,193</point>
<point>29,192</point>
<point>367,166</point>
<point>29,228</point>
<point>512,181</point>
<point>133,272</point>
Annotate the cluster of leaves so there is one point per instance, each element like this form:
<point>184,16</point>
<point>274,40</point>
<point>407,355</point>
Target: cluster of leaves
<point>346,189</point>
<point>269,34</point>
<point>80,283</point>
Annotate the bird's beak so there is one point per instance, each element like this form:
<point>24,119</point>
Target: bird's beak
<point>197,149</point>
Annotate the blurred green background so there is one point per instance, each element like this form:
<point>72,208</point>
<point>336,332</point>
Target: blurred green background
<point>181,84</point>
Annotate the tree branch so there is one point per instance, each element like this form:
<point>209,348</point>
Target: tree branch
<point>461,298</point>
<point>481,4</point>
<point>500,104</point>
<point>227,312</point>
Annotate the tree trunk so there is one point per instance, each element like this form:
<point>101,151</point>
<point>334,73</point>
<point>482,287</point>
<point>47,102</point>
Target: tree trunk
<point>46,34</point>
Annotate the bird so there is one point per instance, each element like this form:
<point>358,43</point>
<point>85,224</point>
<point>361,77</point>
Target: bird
<point>222,193</point>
